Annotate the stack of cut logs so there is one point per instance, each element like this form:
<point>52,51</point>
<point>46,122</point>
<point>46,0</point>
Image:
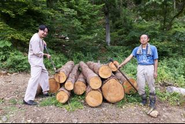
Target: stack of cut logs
<point>98,82</point>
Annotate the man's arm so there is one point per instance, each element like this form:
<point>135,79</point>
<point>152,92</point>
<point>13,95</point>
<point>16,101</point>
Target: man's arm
<point>125,61</point>
<point>155,67</point>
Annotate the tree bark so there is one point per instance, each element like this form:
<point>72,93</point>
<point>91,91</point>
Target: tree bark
<point>92,78</point>
<point>102,70</point>
<point>93,97</point>
<point>112,90</point>
<point>80,85</point>
<point>69,84</point>
<point>64,72</point>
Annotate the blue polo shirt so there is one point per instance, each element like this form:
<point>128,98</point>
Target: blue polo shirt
<point>144,58</point>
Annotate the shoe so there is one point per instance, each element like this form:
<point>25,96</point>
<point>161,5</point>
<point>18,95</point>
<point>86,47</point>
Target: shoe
<point>144,99</point>
<point>46,94</point>
<point>152,98</point>
<point>30,102</point>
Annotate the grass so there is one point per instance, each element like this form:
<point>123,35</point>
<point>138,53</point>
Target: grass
<point>74,103</point>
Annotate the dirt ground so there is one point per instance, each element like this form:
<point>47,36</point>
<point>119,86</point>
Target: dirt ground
<point>12,90</point>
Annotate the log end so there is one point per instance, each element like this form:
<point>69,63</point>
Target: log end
<point>112,65</point>
<point>113,91</point>
<point>53,85</point>
<point>62,97</point>
<point>105,71</point>
<point>69,85</point>
<point>79,88</point>
<point>94,98</point>
<point>60,77</point>
<point>95,82</point>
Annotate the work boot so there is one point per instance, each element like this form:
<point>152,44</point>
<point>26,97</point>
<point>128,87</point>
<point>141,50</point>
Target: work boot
<point>152,98</point>
<point>144,99</point>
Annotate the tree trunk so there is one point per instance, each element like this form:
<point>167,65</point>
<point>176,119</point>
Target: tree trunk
<point>107,29</point>
<point>54,86</point>
<point>112,65</point>
<point>63,95</point>
<point>93,79</point>
<point>93,97</point>
<point>102,70</point>
<point>80,85</point>
<point>69,84</point>
<point>112,90</point>
<point>127,87</point>
<point>64,72</point>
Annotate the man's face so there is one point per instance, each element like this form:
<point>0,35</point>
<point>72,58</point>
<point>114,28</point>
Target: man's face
<point>43,33</point>
<point>144,39</point>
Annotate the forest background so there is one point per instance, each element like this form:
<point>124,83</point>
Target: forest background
<point>97,30</point>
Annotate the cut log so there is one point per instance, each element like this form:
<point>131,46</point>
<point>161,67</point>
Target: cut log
<point>102,70</point>
<point>127,87</point>
<point>63,95</point>
<point>69,84</point>
<point>92,78</point>
<point>93,97</point>
<point>112,65</point>
<point>64,72</point>
<point>112,90</point>
<point>80,85</point>
<point>54,86</point>
<point>120,76</point>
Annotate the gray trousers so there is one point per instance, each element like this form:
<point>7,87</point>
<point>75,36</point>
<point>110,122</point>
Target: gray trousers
<point>39,75</point>
<point>145,73</point>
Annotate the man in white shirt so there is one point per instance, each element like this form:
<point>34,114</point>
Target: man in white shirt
<point>39,74</point>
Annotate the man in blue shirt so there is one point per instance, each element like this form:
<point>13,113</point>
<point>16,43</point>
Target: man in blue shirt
<point>147,59</point>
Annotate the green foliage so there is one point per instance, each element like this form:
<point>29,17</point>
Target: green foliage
<point>5,47</point>
<point>73,104</point>
<point>1,101</point>
<point>172,98</point>
<point>16,62</point>
<point>13,101</point>
<point>172,70</point>
<point>132,98</point>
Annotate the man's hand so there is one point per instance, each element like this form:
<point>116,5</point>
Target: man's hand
<point>155,74</point>
<point>119,66</point>
<point>47,55</point>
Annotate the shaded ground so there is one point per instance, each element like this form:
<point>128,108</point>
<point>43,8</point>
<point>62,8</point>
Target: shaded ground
<point>12,89</point>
